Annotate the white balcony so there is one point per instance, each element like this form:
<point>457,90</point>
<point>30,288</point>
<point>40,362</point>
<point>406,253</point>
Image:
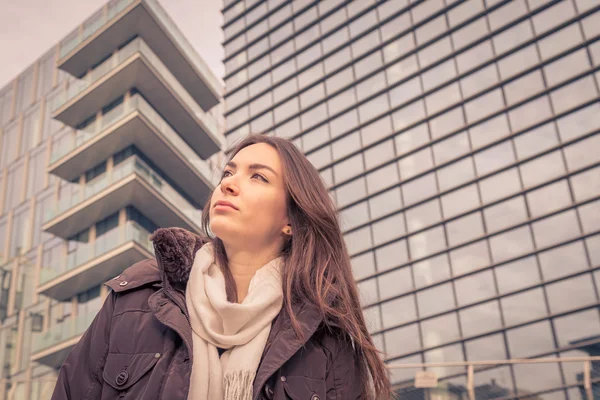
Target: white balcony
<point>137,66</point>
<point>132,182</point>
<point>120,21</point>
<point>93,264</point>
<point>135,122</point>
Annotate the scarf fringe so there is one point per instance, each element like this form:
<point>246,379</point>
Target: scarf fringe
<point>238,385</point>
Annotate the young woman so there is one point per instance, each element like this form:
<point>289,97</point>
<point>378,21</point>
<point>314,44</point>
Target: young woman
<point>262,305</point>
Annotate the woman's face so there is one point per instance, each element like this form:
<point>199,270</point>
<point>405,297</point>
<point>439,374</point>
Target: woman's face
<point>249,207</point>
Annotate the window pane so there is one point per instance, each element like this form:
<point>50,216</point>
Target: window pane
<point>571,293</point>
<point>506,214</point>
<point>481,318</point>
<point>523,307</point>
<point>511,244</point>
<point>517,275</point>
<point>554,262</point>
<point>556,229</point>
<point>435,300</point>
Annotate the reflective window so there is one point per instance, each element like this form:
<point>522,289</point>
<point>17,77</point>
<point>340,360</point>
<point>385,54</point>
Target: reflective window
<point>470,33</point>
<point>379,154</point>
<point>435,51</point>
<point>480,318</point>
<point>441,73</point>
<point>415,163</point>
<point>474,288</point>
<point>447,122</point>
<point>358,240</point>
<point>372,108</point>
<point>398,311</point>
<point>530,340</point>
<point>423,215</point>
<point>474,56</point>
<point>411,139</point>
<point>402,340</point>
<point>511,244</point>
<point>484,105</point>
<point>443,98</point>
<point>405,92</point>
<point>573,94</point>
<point>351,191</point>
<point>494,158</point>
<point>354,216</point>
<point>427,242</point>
<point>456,173</point>
<point>435,300</point>
<point>445,354</point>
<point>382,178</point>
<point>465,229</point>
<point>582,154</point>
<point>431,29</point>
<point>431,270</point>
<point>314,116</point>
<point>441,329</point>
<point>506,214</point>
<point>385,203</point>
<point>507,13</point>
<point>342,101</point>
<point>307,17</point>
<point>578,123</point>
<point>395,282</point>
<point>393,255</point>
<point>423,10</point>
<point>524,87</point>
<point>489,131</point>
<point>536,141</point>
<point>464,11</point>
<point>586,185</point>
<point>365,44</point>
<point>524,306</point>
<point>363,265</point>
<point>571,293</point>
<point>344,123</point>
<point>566,67</point>
<point>560,41</point>
<point>581,325</point>
<point>486,348</point>
<point>346,145</point>
<point>479,81</point>
<point>368,64</point>
<point>370,86</point>
<point>518,61</point>
<point>549,198</point>
<point>513,36</point>
<point>563,260</point>
<point>337,59</point>
<point>542,169</point>
<point>309,55</point>
<point>470,258</point>
<point>334,40</point>
<point>419,189</point>
<point>388,229</point>
<point>408,115</point>
<point>556,229</point>
<point>398,48</point>
<point>379,129</point>
<point>310,75</point>
<point>451,148</point>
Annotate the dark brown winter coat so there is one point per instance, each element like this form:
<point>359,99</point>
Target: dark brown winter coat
<point>139,346</point>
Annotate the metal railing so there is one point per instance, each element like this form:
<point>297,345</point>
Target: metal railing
<point>535,379</point>
<point>133,165</point>
<point>71,43</point>
<point>118,114</point>
<point>132,231</point>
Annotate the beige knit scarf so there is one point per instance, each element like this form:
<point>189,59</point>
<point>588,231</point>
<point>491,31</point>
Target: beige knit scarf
<point>242,329</point>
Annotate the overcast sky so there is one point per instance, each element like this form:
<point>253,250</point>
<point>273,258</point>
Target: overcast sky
<point>29,28</point>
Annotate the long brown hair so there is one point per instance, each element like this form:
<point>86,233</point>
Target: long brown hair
<point>317,264</point>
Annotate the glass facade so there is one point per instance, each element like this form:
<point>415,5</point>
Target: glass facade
<point>461,142</point>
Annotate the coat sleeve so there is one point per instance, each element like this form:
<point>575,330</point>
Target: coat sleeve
<point>80,377</point>
<point>343,379</point>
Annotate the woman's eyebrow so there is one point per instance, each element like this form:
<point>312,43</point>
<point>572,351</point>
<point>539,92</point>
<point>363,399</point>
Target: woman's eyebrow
<point>253,166</point>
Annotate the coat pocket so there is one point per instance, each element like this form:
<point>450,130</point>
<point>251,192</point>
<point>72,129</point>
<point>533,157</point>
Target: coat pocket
<point>302,388</point>
<point>122,371</point>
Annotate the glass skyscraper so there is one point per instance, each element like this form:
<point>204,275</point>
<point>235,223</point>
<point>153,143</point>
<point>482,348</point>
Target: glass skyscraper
<point>460,140</point>
<point>112,133</point>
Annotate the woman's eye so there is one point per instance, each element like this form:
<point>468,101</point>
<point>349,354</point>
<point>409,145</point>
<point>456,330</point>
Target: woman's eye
<point>225,174</point>
<point>261,177</point>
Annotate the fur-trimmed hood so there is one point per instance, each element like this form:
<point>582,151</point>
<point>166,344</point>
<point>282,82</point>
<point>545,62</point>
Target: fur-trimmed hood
<point>176,248</point>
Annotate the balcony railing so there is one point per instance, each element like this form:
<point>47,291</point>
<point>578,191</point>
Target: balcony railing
<point>112,239</point>
<point>133,165</point>
<point>67,329</point>
<point>115,8</point>
<point>78,86</point>
<point>117,114</point>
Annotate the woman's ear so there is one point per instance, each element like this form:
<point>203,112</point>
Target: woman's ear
<point>287,230</point>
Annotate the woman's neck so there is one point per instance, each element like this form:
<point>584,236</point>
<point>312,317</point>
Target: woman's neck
<point>243,265</point>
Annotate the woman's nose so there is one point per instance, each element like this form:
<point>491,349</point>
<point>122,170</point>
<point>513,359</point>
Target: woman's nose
<point>229,186</point>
